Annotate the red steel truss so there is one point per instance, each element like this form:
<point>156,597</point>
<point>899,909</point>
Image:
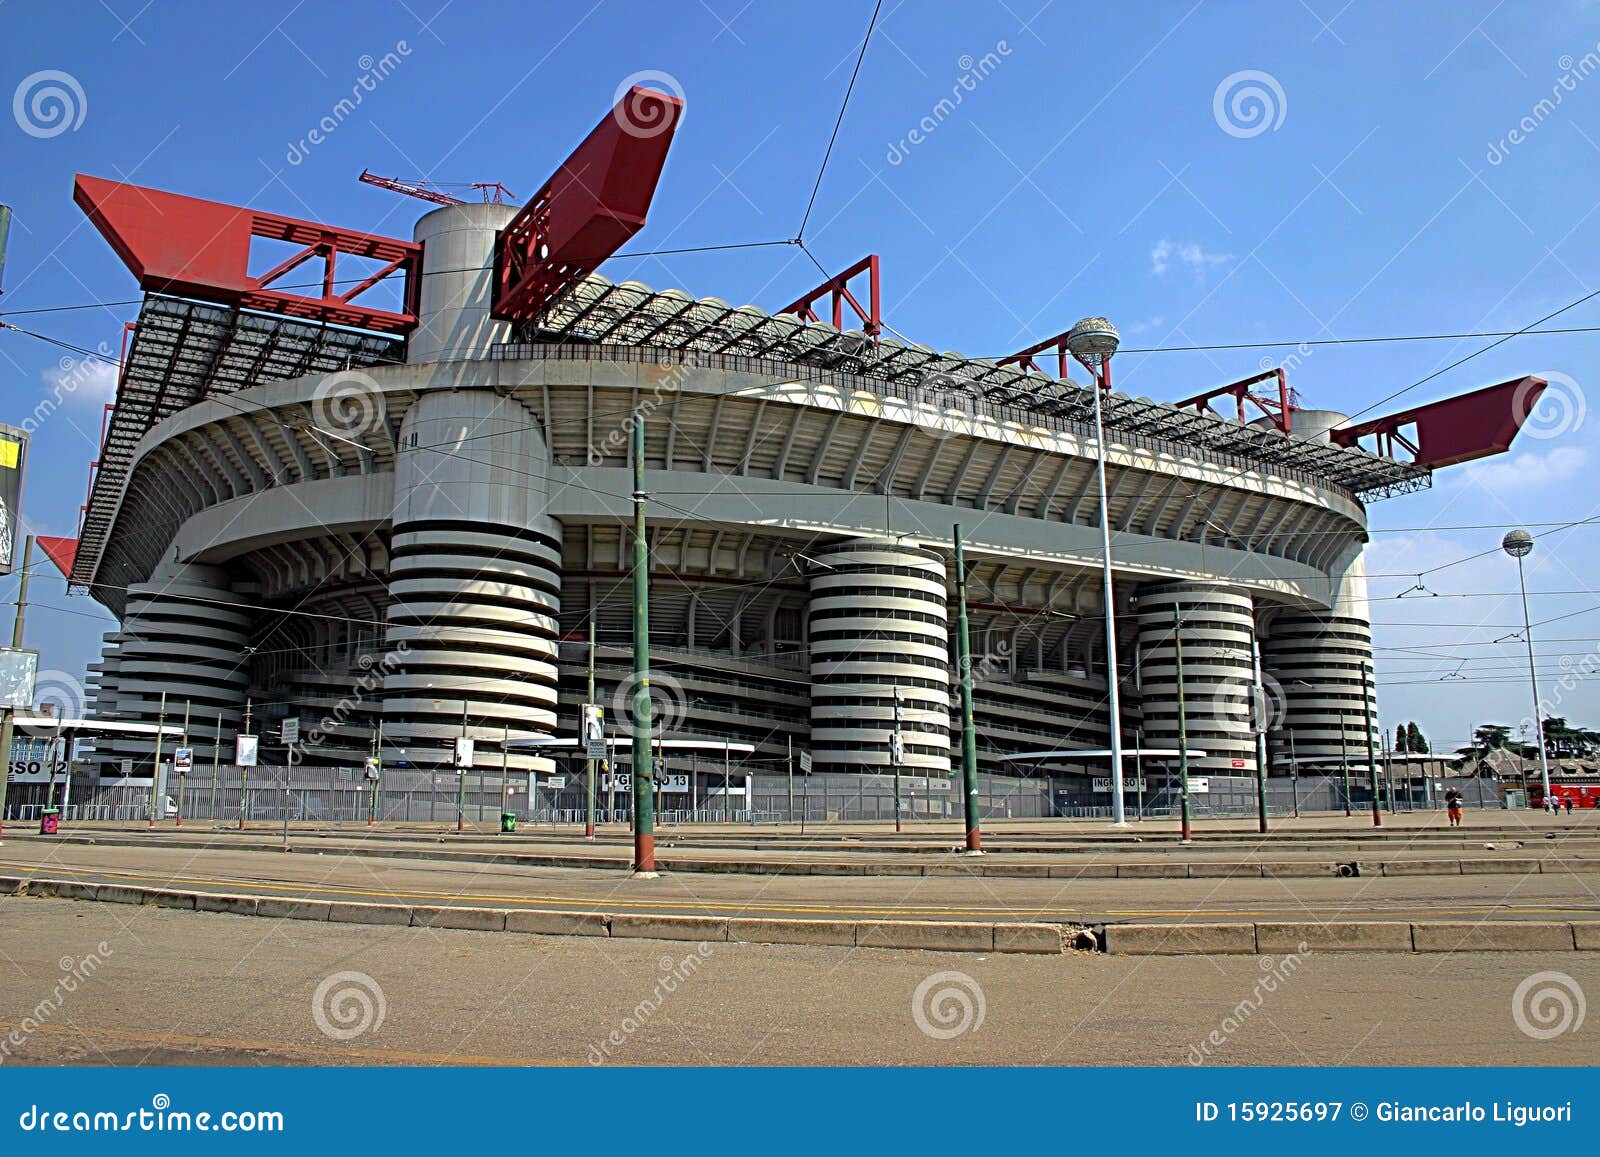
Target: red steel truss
<point>838,289</point>
<point>589,209</point>
<point>1279,409</point>
<point>201,249</point>
<point>1454,430</point>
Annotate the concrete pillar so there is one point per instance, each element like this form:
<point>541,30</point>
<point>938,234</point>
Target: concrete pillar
<point>1316,658</point>
<point>475,579</point>
<point>458,283</point>
<point>1218,629</point>
<point>877,621</point>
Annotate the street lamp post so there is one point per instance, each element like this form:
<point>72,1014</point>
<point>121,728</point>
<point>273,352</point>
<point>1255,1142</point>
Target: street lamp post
<point>1518,544</point>
<point>1092,342</point>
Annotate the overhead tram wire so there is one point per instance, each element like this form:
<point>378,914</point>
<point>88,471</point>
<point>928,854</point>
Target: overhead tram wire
<point>839,121</point>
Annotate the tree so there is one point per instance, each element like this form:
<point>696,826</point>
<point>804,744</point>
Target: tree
<point>1416,742</point>
<point>1400,747</point>
<point>1490,737</point>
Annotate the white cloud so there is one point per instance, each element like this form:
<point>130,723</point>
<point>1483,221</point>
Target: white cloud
<point>86,381</point>
<point>1529,469</point>
<point>1194,256</point>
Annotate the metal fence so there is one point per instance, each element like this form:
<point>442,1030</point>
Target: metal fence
<point>341,796</point>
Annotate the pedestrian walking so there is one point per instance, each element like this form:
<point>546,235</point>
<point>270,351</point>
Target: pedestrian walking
<point>1452,806</point>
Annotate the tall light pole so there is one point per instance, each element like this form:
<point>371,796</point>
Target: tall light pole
<point>1186,831</point>
<point>1519,544</point>
<point>1092,342</point>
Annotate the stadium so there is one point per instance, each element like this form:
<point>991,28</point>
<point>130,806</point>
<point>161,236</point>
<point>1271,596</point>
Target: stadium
<point>401,524</point>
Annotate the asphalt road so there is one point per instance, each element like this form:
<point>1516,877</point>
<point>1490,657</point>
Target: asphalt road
<point>1548,895</point>
<point>195,988</point>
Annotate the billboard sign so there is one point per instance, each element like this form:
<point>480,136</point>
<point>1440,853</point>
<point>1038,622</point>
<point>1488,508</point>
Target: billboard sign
<point>19,670</point>
<point>13,461</point>
<point>246,748</point>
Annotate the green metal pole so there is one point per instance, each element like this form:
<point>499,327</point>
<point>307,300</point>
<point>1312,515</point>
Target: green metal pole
<point>644,823</point>
<point>1344,761</point>
<point>1186,832</point>
<point>588,788</point>
<point>7,715</point>
<point>216,747</point>
<point>1372,754</point>
<point>969,729</point>
<point>788,746</point>
<point>1258,714</point>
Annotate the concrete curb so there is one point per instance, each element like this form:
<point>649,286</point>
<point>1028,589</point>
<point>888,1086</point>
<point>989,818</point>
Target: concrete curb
<point>933,936</point>
<point>1198,939</point>
<point>1090,870</point>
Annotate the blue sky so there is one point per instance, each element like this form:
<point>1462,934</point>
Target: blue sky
<point>1095,163</point>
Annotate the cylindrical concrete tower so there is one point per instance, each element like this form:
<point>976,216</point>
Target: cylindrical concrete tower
<point>877,623</point>
<point>1317,658</point>
<point>1218,629</point>
<point>458,283</point>
<point>180,635</point>
<point>475,578</point>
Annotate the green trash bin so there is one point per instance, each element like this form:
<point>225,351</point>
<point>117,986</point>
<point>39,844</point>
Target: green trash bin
<point>508,821</point>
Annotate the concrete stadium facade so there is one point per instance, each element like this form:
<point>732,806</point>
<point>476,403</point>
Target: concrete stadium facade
<point>424,546</point>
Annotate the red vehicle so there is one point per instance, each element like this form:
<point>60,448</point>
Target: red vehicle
<point>1582,790</point>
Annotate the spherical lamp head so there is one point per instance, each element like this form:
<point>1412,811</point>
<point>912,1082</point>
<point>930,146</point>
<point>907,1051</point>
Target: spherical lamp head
<point>1092,341</point>
<point>1517,543</point>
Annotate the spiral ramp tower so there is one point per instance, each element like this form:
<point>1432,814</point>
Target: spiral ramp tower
<point>878,631</point>
<point>1216,625</point>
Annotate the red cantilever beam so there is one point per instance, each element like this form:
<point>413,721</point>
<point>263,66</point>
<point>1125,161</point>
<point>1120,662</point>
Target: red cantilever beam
<point>1454,430</point>
<point>177,244</point>
<point>838,288</point>
<point>1024,358</point>
<point>1280,410</point>
<point>589,208</point>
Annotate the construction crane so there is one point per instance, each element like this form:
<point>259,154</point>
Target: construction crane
<point>493,192</point>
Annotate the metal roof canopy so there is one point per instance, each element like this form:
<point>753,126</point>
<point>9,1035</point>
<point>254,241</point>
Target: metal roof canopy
<point>598,311</point>
<point>185,351</point>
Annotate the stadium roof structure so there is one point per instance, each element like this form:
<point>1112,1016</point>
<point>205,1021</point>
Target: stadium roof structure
<point>630,313</point>
<point>184,351</point>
